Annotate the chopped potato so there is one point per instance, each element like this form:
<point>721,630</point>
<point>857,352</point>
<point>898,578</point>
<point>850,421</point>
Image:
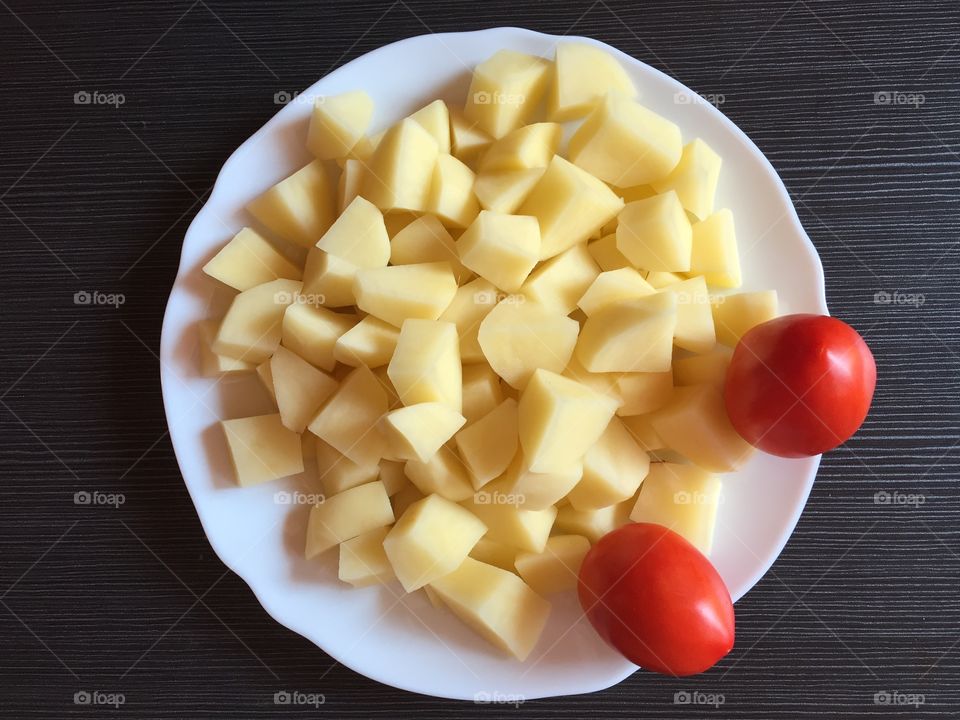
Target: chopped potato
<point>531,146</point>
<point>262,449</point>
<point>299,208</point>
<point>435,119</point>
<point>538,491</point>
<point>347,515</point>
<point>557,567</point>
<point>694,178</point>
<point>481,391</point>
<point>212,364</point>
<point>348,420</point>
<point>605,253</point>
<point>630,336</point>
<point>299,388</point>
<point>401,169</point>
<point>443,474</point>
<point>338,123</point>
<point>504,191</point>
<point>694,331</point>
<point>714,253</point>
<point>249,259</point>
<point>417,432</point>
<point>584,75</point>
<point>710,367</point>
<point>358,236</point>
<point>470,305</point>
<point>363,560</point>
<point>734,315</point>
<point>370,342</point>
<point>312,332</point>
<point>644,392</point>
<point>468,141</point>
<point>612,287</point>
<point>563,279</point>
<point>592,524</point>
<point>329,279</point>
<point>655,234</point>
<point>251,329</point>
<point>613,469</point>
<point>502,249</point>
<point>336,472</point>
<point>426,240</point>
<point>451,193</point>
<point>397,293</point>
<point>510,525</point>
<point>426,364</point>
<point>505,91</point>
<point>489,444</point>
<point>494,553</point>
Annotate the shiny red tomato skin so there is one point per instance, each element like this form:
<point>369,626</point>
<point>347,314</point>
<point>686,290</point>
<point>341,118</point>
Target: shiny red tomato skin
<point>800,385</point>
<point>657,599</point>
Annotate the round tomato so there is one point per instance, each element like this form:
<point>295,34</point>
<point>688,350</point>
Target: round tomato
<point>656,598</point>
<point>799,385</point>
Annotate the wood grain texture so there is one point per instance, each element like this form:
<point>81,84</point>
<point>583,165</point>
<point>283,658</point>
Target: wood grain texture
<point>131,600</point>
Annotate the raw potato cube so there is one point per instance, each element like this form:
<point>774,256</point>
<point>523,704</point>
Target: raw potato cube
<point>734,315</point>
<point>212,364</point>
<point>299,208</point>
<point>505,91</point>
<point>613,287</point>
<point>504,191</point>
<point>613,469</point>
<point>430,540</point>
<point>570,205</point>
<point>584,74</point>
<point>501,248</point>
<point>363,560</point>
<point>370,342</point>
<point>496,604</point>
<point>641,427</point>
<point>338,123</point>
<point>531,146</point>
<point>337,473</point>
<point>358,236</point>
<point>694,178</point>
<point>519,337</point>
<point>714,252</point>
<point>393,477</point>
<point>469,307</point>
<point>557,567</point>
<point>350,182</point>
<point>683,498</point>
<point>426,364</point>
<point>328,279</point>
<point>511,525</point>
<point>625,144</point>
<point>695,424</point>
<point>559,420</point>
<point>655,234</point>
<point>435,119</point>
<point>451,193</point>
<point>404,499</point>
<point>711,367</point>
<point>444,474</point>
<point>397,221</point>
<point>562,280</point>
<point>489,444</point>
<point>432,596</point>
<point>401,169</point>
<point>538,491</point>
<point>348,420</point>
<point>266,379</point>
<point>494,553</point>
<point>604,251</point>
<point>632,336</point>
<point>426,240</point>
<point>602,383</point>
<point>262,449</point>
<point>694,331</point>
<point>299,388</point>
<point>592,524</point>
<point>644,392</point>
<point>396,293</point>
<point>468,140</point>
<point>311,332</point>
<point>347,515</point>
<point>417,432</point>
<point>659,279</point>
<point>481,390</point>
<point>249,259</point>
<point>250,330</point>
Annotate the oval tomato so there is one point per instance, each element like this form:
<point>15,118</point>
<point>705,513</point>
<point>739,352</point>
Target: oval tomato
<point>800,385</point>
<point>657,599</point>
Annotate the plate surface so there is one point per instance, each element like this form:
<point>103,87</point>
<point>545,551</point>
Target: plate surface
<point>258,532</point>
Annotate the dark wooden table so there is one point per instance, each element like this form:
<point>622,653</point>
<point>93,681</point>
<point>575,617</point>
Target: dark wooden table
<point>856,104</point>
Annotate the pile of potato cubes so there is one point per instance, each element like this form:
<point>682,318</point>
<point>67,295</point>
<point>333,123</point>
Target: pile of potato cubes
<point>482,333</point>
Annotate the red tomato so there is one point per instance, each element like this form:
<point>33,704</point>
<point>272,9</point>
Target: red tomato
<point>800,385</point>
<point>655,598</point>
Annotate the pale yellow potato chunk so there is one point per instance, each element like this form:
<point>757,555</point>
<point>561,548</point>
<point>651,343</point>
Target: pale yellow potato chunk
<point>251,329</point>
<point>346,515</point>
<point>531,146</point>
<point>468,141</point>
<point>604,383</point>
<point>348,420</point>
<point>444,474</point>
<point>370,342</point>
<point>642,430</point>
<point>262,449</point>
<point>584,74</point>
<point>694,179</point>
<point>393,477</point>
<point>350,182</point>
<point>592,524</point>
<point>505,91</point>
<point>312,332</point>
<point>470,305</point>
<point>504,191</point>
<point>338,123</point>
<point>396,293</point>
<point>612,287</point>
<point>695,424</point>
<point>570,205</point>
<point>625,144</point>
<point>714,254</point>
<point>212,364</point>
<point>494,553</point>
<point>430,540</point>
<point>559,420</point>
<point>404,499</point>
<point>561,281</point>
<point>683,498</point>
<point>397,221</point>
<point>299,388</point>
<point>337,473</point>
<point>710,367</point>
<point>659,279</point>
<point>328,279</point>
<point>265,374</point>
<point>400,172</point>
<point>501,248</point>
<point>435,119</point>
<point>538,491</point>
<point>299,208</point>
<point>655,234</point>
<point>358,236</point>
<point>631,336</point>
<point>250,259</point>
<point>557,567</point>
<point>613,469</point>
<point>417,432</point>
<point>451,194</point>
<point>644,392</point>
<point>510,525</point>
<point>488,445</point>
<point>605,253</point>
<point>519,337</point>
<point>426,240</point>
<point>363,560</point>
<point>734,315</point>
<point>481,390</point>
<point>426,364</point>
<point>496,604</point>
<point>694,331</point>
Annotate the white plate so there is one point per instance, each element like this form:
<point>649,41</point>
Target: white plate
<point>403,641</point>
